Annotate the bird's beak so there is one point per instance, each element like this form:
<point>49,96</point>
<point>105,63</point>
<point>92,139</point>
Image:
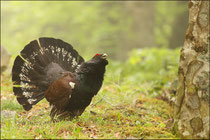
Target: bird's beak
<point>104,56</point>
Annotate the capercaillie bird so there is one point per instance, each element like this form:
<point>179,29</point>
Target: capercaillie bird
<point>50,68</point>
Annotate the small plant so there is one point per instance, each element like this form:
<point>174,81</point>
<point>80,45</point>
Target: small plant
<point>77,131</point>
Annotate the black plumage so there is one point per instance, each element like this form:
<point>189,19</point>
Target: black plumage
<point>50,68</point>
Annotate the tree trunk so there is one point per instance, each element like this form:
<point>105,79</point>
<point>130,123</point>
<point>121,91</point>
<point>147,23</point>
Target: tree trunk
<point>191,118</point>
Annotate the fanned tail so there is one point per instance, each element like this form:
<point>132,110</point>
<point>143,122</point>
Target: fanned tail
<point>38,65</point>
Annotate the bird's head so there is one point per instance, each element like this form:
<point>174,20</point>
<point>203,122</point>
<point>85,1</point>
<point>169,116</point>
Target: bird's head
<point>95,65</point>
<point>100,59</point>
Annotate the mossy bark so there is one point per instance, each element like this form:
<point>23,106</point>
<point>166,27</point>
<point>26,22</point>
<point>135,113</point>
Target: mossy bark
<point>192,99</point>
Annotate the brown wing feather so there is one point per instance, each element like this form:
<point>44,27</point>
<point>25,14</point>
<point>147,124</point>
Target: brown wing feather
<point>59,91</point>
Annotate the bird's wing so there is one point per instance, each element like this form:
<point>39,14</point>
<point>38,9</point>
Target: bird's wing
<point>60,91</point>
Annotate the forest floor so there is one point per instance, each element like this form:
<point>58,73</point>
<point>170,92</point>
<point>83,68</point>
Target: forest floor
<point>118,111</point>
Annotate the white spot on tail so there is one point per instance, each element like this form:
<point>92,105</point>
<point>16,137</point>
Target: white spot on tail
<point>72,85</point>
<point>27,65</point>
<point>31,101</point>
<point>64,52</point>
<point>69,96</point>
<point>77,68</point>
<point>57,49</point>
<point>69,57</point>
<point>23,77</point>
<point>52,49</point>
<point>27,94</point>
<point>24,84</point>
<point>74,62</point>
<point>33,55</point>
<point>24,70</point>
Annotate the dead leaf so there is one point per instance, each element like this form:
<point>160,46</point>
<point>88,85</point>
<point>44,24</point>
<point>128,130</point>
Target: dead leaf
<point>29,115</point>
<point>38,137</point>
<point>117,135</point>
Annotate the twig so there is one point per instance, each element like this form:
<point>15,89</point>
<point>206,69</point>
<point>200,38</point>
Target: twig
<point>102,98</point>
<point>108,102</point>
<point>97,102</point>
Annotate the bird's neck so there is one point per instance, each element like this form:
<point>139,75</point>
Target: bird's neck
<point>90,82</point>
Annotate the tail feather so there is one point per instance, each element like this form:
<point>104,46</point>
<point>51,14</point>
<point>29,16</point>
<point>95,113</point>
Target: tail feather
<point>23,72</point>
<point>34,54</point>
<point>61,53</point>
<point>38,66</point>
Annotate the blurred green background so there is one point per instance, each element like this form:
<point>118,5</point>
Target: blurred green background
<point>91,27</point>
<point>142,39</point>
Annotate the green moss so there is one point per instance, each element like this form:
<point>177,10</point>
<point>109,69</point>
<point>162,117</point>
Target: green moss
<point>191,89</point>
<point>196,124</point>
<point>175,129</point>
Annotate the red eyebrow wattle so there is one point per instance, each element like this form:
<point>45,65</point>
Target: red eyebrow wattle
<point>97,54</point>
